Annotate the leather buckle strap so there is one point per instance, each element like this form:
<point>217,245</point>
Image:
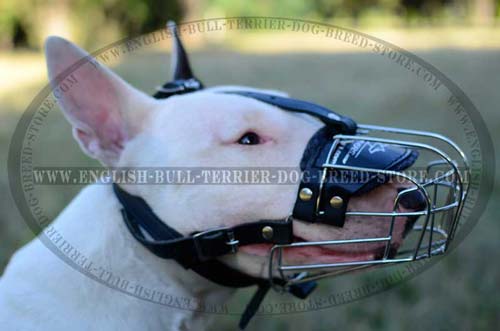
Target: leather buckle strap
<point>211,238</point>
<point>199,247</point>
<point>225,240</point>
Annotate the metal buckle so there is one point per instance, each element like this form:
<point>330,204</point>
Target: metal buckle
<point>174,89</point>
<point>231,241</point>
<point>180,86</point>
<point>192,84</point>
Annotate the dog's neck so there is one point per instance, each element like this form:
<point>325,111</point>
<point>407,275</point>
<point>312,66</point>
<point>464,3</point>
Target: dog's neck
<point>93,224</point>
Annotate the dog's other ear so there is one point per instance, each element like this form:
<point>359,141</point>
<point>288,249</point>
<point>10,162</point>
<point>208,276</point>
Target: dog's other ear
<point>180,62</point>
<point>103,109</point>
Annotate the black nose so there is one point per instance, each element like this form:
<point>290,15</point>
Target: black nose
<point>414,200</point>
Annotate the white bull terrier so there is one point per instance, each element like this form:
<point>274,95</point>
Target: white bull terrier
<point>122,127</point>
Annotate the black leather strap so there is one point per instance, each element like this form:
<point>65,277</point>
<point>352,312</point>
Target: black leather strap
<point>204,246</point>
<point>137,214</point>
<point>199,247</point>
<point>341,124</point>
<point>253,305</point>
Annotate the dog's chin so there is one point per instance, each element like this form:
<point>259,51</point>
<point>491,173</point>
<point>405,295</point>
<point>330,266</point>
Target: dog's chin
<point>314,254</point>
<point>248,263</point>
<point>253,259</point>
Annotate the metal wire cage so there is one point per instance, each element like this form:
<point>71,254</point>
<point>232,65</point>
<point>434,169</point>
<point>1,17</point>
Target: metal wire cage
<point>443,183</point>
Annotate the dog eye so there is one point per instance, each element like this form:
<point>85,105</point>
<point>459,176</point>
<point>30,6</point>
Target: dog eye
<point>249,138</point>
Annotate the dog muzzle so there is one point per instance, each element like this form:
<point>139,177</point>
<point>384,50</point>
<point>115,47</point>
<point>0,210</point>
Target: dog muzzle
<point>345,160</point>
<point>342,161</point>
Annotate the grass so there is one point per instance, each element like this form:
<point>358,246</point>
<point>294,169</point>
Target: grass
<point>460,293</point>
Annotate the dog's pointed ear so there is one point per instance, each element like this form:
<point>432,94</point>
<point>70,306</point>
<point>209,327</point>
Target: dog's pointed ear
<point>103,109</point>
<point>180,62</point>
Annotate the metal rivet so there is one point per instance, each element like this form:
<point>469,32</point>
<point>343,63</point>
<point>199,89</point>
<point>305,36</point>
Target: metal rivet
<point>305,194</point>
<point>336,201</point>
<point>267,232</point>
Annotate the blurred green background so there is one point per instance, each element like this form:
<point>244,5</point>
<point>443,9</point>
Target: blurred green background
<point>460,38</point>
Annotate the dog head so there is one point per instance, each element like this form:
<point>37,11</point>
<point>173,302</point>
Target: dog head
<point>122,127</point>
